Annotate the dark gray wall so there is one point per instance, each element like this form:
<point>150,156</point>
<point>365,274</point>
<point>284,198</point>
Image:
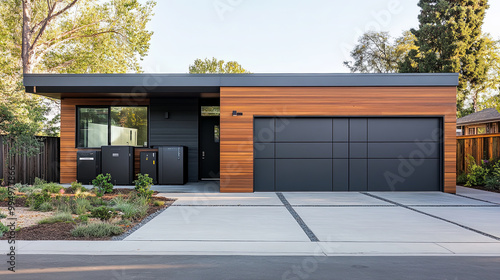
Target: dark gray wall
<point>181,127</point>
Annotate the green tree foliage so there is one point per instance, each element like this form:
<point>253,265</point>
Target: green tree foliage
<point>63,36</point>
<point>449,40</point>
<point>214,65</point>
<point>377,52</point>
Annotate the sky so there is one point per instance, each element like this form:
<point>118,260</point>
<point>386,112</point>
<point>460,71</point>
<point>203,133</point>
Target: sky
<point>276,36</point>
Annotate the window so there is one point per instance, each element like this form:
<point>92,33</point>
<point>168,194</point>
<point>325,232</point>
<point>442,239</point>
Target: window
<point>472,131</point>
<point>481,130</point>
<point>112,126</point>
<point>210,111</point>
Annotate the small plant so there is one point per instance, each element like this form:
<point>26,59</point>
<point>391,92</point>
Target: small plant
<point>35,200</point>
<point>52,187</point>
<point>97,201</point>
<point>102,184</point>
<point>83,219</point>
<point>58,218</point>
<point>476,174</point>
<point>143,185</point>
<point>124,223</point>
<point>96,230</point>
<point>45,207</point>
<point>3,229</point>
<point>158,203</point>
<point>103,213</point>
<point>2,216</point>
<point>28,189</point>
<point>4,193</point>
<point>462,179</point>
<point>39,182</point>
<point>76,187</point>
<point>82,205</point>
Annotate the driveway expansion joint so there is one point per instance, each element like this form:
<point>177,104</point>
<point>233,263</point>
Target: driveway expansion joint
<point>297,218</point>
<point>432,216</point>
<point>478,199</point>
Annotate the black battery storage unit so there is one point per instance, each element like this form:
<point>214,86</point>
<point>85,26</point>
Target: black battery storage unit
<point>88,166</point>
<point>118,161</point>
<point>149,163</point>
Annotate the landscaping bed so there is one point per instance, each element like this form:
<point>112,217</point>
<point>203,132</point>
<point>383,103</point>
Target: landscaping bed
<point>47,211</point>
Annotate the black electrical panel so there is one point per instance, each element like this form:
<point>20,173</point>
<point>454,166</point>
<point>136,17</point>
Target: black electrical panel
<point>119,162</point>
<point>149,163</point>
<point>172,165</point>
<point>88,166</point>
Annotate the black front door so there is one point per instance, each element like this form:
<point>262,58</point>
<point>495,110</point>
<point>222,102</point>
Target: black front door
<point>210,148</point>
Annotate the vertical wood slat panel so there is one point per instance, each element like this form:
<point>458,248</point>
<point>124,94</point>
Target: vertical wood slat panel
<point>68,129</point>
<point>237,170</point>
<point>481,147</point>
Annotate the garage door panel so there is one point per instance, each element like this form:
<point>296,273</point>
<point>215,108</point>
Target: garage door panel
<point>341,175</point>
<point>404,150</point>
<point>358,130</point>
<point>304,130</point>
<point>358,175</point>
<point>303,175</point>
<point>403,175</point>
<point>264,175</point>
<point>402,129</point>
<point>340,130</point>
<point>263,150</point>
<point>264,130</point>
<point>340,150</point>
<point>303,150</point>
<point>358,150</point>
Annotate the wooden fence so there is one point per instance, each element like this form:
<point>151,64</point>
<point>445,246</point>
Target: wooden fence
<point>44,165</point>
<point>481,147</point>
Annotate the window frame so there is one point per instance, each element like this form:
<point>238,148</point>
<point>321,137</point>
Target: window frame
<point>77,124</point>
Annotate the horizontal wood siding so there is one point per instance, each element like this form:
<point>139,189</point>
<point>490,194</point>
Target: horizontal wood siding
<point>68,129</point>
<point>237,132</point>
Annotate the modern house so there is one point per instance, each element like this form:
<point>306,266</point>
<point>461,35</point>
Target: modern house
<point>486,121</point>
<point>270,132</point>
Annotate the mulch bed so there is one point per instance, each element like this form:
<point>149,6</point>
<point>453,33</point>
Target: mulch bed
<point>18,202</point>
<point>482,189</point>
<point>62,231</point>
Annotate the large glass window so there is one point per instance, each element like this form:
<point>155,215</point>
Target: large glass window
<point>112,126</point>
<point>92,127</point>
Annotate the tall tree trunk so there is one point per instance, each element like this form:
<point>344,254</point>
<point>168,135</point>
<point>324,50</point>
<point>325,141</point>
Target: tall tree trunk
<point>26,44</point>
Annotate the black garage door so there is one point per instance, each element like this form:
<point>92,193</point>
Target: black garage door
<point>347,154</point>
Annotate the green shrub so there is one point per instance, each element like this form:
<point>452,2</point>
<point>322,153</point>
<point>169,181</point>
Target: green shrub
<point>2,215</point>
<point>493,178</point>
<point>28,189</point>
<point>143,185</point>
<point>4,193</point>
<point>45,207</point>
<point>35,200</point>
<point>103,213</point>
<point>102,184</point>
<point>97,201</point>
<point>96,230</point>
<point>81,206</point>
<point>58,218</point>
<point>83,219</point>
<point>3,229</point>
<point>462,178</point>
<point>39,182</point>
<point>158,203</point>
<point>124,223</point>
<point>476,174</point>
<point>131,209</point>
<point>76,187</point>
<point>52,187</point>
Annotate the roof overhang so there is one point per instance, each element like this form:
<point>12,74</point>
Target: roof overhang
<point>187,85</point>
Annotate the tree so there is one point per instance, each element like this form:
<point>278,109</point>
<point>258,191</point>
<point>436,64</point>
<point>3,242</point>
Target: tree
<point>216,66</point>
<point>449,40</point>
<point>377,52</point>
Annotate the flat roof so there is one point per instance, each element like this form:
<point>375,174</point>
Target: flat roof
<point>69,85</point>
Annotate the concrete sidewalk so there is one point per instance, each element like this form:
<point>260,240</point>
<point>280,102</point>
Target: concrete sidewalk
<point>307,224</point>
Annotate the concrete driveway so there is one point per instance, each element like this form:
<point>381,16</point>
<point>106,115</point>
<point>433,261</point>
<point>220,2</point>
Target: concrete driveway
<point>315,224</point>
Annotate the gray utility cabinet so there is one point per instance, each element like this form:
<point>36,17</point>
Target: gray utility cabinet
<point>149,164</point>
<point>88,166</point>
<point>172,165</point>
<point>348,154</point>
<point>119,162</point>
